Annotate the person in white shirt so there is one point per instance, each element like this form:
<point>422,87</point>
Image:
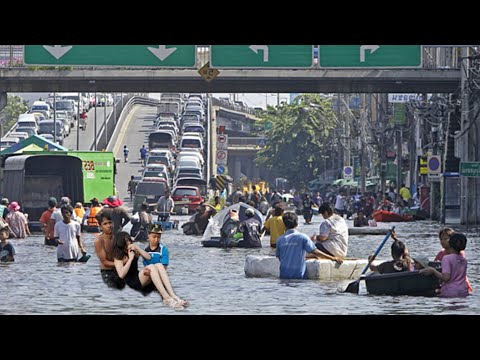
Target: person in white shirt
<point>333,234</point>
<point>67,233</point>
<point>57,217</point>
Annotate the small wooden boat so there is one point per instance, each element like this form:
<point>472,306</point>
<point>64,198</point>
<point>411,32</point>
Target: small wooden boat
<point>388,216</point>
<point>410,283</point>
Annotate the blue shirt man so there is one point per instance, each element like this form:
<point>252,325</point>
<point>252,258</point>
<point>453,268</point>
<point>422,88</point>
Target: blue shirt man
<point>143,152</point>
<point>157,251</point>
<point>291,251</point>
<point>292,248</point>
<point>159,255</point>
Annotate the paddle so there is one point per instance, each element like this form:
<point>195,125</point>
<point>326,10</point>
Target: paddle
<point>353,287</point>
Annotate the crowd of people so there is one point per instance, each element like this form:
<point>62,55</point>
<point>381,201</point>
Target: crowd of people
<point>118,254</point>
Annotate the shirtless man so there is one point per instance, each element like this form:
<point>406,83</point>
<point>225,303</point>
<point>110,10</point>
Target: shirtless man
<point>104,249</point>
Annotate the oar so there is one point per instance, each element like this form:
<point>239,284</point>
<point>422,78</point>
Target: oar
<point>353,287</point>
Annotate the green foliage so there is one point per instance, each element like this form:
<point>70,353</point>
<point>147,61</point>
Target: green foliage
<point>299,137</point>
<point>9,114</point>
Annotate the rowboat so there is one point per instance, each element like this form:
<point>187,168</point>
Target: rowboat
<point>402,283</point>
<point>388,216</point>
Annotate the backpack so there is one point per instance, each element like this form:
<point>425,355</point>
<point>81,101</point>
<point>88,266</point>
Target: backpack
<point>228,231</point>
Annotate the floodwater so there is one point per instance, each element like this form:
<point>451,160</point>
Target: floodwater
<point>213,281</point>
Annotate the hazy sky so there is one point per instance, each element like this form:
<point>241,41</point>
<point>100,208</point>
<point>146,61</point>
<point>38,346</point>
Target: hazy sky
<point>252,100</point>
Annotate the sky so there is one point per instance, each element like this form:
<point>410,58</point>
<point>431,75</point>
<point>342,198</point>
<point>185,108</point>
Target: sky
<point>251,100</point>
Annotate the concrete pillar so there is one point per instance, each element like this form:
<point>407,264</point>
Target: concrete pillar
<point>255,169</point>
<point>237,168</point>
<point>3,100</point>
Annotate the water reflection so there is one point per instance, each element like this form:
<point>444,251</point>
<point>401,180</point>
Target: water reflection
<point>214,282</point>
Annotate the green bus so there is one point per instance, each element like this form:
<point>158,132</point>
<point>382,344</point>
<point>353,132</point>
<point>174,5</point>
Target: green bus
<point>31,177</point>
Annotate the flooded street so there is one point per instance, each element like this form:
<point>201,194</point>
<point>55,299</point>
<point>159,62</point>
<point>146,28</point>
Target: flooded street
<point>213,281</point>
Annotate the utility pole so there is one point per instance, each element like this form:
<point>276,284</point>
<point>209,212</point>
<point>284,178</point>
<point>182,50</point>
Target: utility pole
<point>399,139</point>
<point>464,139</point>
<point>54,117</point>
<point>105,119</point>
<point>381,122</point>
<point>78,120</point>
<point>363,140</point>
<point>95,124</point>
<point>346,160</point>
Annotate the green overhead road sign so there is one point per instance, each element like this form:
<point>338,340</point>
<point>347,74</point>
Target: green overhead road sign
<point>261,56</point>
<point>370,56</point>
<point>470,169</point>
<point>181,56</point>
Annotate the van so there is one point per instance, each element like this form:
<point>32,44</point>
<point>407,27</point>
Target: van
<point>161,139</point>
<point>47,127</point>
<point>188,162</point>
<point>70,108</point>
<point>27,120</point>
<point>6,142</point>
<point>42,106</point>
<point>20,135</point>
<point>192,153</point>
<point>80,100</point>
<point>191,142</point>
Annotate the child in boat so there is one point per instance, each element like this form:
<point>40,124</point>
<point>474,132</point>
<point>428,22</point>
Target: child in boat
<point>444,236</point>
<point>454,268</point>
<point>401,259</point>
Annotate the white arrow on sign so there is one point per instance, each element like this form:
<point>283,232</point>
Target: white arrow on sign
<point>57,51</point>
<point>162,52</point>
<point>257,48</point>
<point>364,48</point>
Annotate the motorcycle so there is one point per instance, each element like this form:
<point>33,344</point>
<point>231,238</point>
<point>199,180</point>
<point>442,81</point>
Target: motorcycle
<point>83,121</point>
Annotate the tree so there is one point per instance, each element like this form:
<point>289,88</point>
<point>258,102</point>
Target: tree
<point>10,113</point>
<point>298,138</point>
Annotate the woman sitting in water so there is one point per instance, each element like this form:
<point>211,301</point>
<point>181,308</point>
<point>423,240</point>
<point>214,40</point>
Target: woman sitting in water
<point>153,276</point>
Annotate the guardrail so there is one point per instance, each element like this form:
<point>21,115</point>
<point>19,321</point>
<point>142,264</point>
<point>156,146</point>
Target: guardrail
<point>227,105</point>
<point>134,100</point>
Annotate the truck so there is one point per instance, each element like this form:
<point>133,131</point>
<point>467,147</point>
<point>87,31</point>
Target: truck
<point>31,177</point>
<point>168,107</point>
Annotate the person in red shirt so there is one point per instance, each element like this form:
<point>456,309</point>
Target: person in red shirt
<point>45,220</point>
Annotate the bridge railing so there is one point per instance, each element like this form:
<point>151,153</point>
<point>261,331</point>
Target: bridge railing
<point>445,57</point>
<point>227,105</point>
<point>11,56</point>
<point>134,100</point>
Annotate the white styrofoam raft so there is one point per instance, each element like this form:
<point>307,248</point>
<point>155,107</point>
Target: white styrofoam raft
<point>268,266</point>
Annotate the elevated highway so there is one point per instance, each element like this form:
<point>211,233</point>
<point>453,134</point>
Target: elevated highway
<point>19,79</point>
